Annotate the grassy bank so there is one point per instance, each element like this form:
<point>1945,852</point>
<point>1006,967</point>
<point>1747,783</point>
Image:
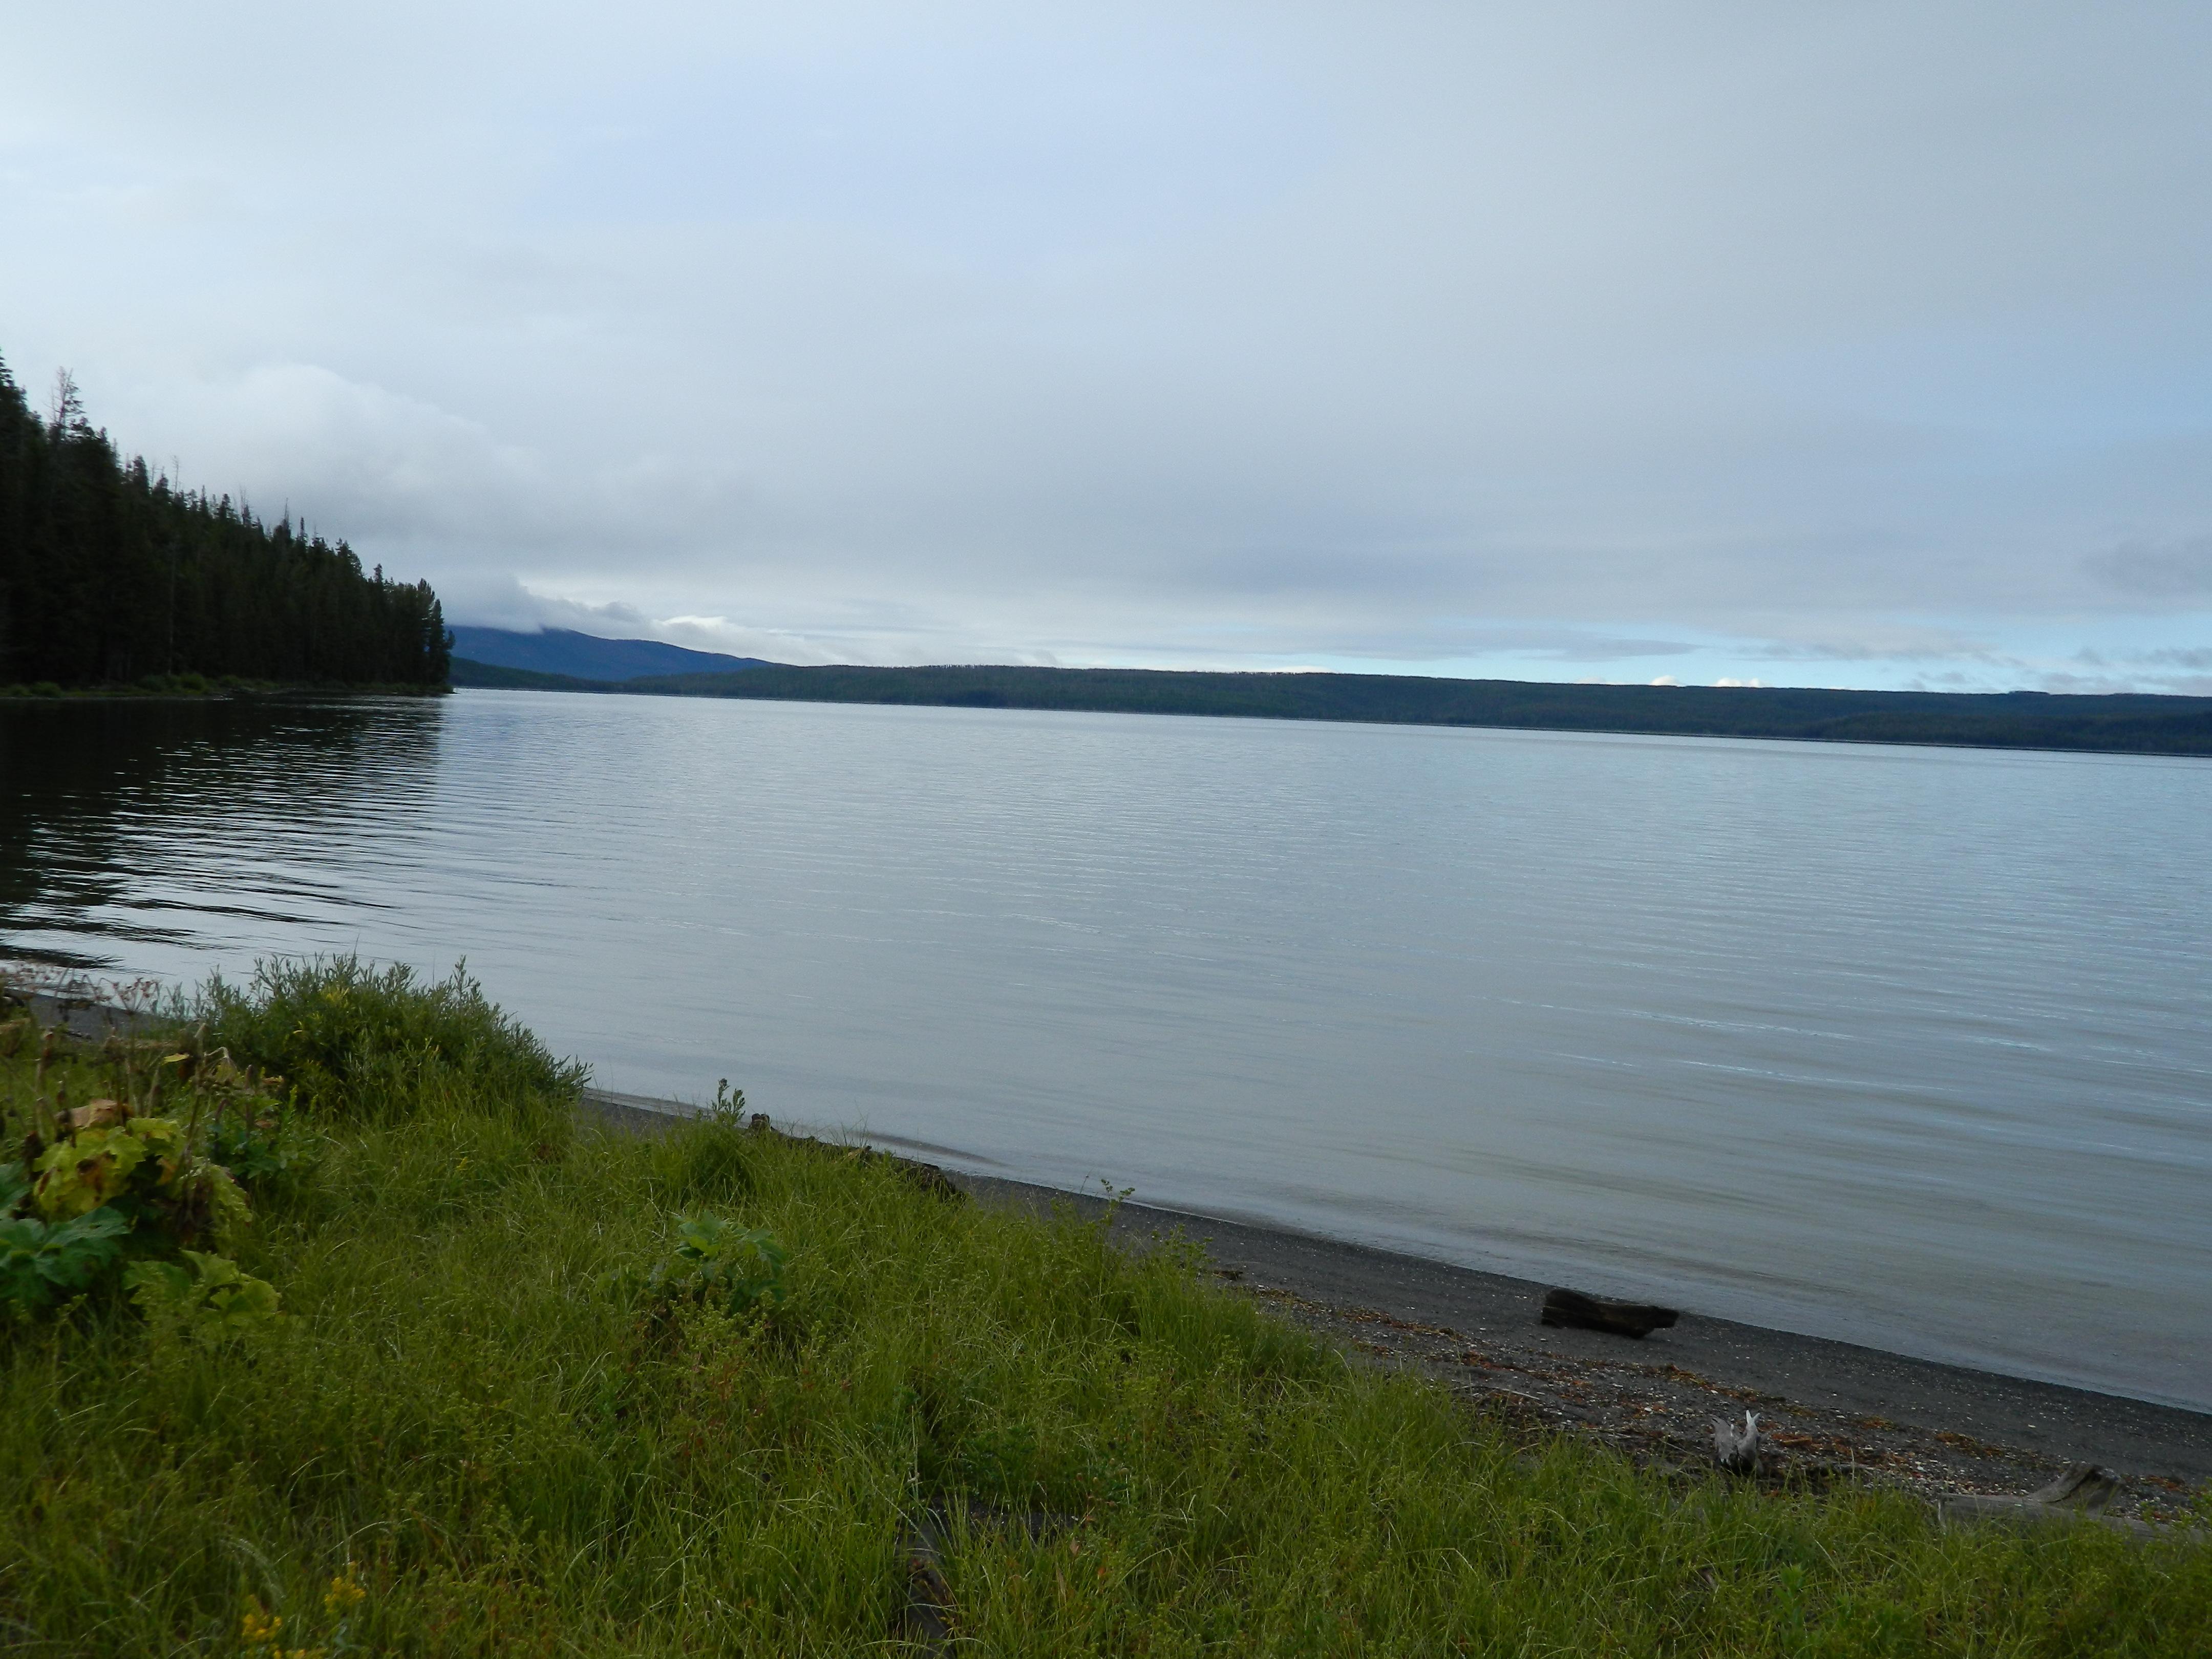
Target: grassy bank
<point>539,1388</point>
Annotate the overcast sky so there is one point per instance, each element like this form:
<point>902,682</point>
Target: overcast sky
<point>1861,344</point>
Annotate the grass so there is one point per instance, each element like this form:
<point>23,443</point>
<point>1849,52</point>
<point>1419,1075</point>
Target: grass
<point>480,1432</point>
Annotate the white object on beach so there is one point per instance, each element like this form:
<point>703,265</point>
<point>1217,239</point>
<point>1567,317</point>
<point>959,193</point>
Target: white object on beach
<point>1737,1448</point>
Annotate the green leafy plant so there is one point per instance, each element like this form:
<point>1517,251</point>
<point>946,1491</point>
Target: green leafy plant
<point>95,1164</point>
<point>727,1108</point>
<point>239,1119</point>
<point>100,1185</point>
<point>258,1152</point>
<point>717,1261</point>
<point>42,1262</point>
<point>143,1168</point>
<point>206,1297</point>
<point>250,1134</point>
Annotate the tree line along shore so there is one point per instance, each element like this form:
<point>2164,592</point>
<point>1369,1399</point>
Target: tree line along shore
<point>2135,724</point>
<point>111,576</point>
<point>378,1344</point>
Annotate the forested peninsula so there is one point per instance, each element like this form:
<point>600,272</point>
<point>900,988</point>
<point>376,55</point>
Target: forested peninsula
<point>2012,719</point>
<point>113,576</point>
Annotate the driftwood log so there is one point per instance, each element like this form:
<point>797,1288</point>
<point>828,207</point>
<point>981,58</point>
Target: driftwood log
<point>2079,1494</point>
<point>1597,1313</point>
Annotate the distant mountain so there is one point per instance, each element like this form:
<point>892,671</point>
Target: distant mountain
<point>588,656</point>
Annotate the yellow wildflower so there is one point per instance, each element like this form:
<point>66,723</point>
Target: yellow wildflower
<point>345,1594</point>
<point>258,1628</point>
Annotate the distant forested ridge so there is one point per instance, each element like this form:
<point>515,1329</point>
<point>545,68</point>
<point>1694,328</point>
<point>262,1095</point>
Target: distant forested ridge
<point>586,656</point>
<point>2133,724</point>
<point>110,575</point>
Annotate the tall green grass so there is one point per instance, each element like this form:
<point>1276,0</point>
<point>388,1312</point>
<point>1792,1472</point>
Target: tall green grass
<point>479,1418</point>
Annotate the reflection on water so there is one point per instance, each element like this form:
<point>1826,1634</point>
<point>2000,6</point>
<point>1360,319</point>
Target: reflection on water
<point>1903,1046</point>
<point>142,821</point>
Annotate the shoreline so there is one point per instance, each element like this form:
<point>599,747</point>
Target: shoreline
<point>1838,1406</point>
<point>1834,1409</point>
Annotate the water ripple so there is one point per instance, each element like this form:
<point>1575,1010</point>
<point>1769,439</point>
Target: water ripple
<point>1903,1046</point>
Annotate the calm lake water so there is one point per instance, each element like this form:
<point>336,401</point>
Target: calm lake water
<point>1906,1045</point>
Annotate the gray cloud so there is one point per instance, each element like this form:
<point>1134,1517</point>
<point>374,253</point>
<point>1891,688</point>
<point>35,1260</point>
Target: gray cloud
<point>2174,571</point>
<point>2165,659</point>
<point>2175,658</point>
<point>1881,641</point>
<point>1478,337</point>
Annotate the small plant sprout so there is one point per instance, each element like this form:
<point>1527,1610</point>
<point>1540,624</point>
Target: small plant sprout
<point>728,1105</point>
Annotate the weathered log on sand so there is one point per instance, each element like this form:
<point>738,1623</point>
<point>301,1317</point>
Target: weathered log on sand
<point>1597,1313</point>
<point>2080,1494</point>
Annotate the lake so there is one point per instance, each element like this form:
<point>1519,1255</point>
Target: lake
<point>1908,1047</point>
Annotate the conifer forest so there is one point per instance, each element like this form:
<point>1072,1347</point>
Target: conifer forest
<point>112,576</point>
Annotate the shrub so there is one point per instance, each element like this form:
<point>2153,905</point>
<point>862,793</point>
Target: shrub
<point>354,1041</point>
<point>719,1263</point>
